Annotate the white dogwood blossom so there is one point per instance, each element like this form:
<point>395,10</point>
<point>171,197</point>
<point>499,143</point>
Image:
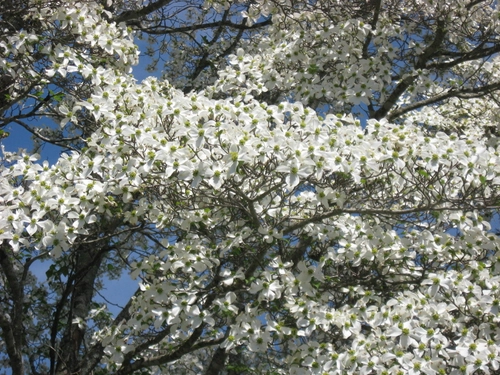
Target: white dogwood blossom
<point>270,227</point>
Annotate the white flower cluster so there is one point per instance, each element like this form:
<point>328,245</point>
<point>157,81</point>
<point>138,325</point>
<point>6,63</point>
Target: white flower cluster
<point>168,159</point>
<point>42,55</point>
<point>338,58</point>
<point>344,248</point>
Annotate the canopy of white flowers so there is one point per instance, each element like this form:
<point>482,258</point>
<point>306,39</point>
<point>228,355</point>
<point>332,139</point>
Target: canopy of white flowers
<point>322,200</point>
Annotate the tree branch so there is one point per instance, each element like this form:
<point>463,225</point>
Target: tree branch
<point>59,142</point>
<point>319,218</point>
<point>403,85</point>
<point>205,62</point>
<point>376,4</point>
<point>136,14</point>
<point>94,355</point>
<point>473,92</point>
<point>476,53</point>
<point>184,348</point>
<point>202,26</point>
<point>12,325</point>
<point>218,362</point>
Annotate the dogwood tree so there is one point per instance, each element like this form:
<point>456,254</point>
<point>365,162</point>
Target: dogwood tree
<point>310,187</point>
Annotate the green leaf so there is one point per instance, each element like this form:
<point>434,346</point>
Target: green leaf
<point>423,172</point>
<point>56,96</point>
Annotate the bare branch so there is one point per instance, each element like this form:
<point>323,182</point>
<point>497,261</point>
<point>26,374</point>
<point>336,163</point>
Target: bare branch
<point>402,86</point>
<point>469,93</point>
<point>136,14</point>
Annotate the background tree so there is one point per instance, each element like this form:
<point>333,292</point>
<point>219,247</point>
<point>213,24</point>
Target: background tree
<point>309,188</point>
